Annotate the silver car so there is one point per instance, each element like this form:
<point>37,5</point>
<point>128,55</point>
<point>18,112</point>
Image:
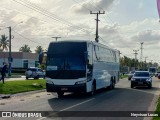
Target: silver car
<point>34,72</point>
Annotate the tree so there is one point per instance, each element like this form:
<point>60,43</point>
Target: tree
<point>4,43</point>
<point>25,48</point>
<point>39,49</point>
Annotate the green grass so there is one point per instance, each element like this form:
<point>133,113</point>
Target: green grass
<point>157,110</point>
<point>123,76</point>
<point>12,87</point>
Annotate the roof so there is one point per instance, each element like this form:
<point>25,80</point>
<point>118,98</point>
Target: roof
<point>20,55</point>
<point>88,41</point>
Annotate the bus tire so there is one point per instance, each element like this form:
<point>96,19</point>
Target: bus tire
<point>93,89</point>
<point>60,94</point>
<point>112,85</point>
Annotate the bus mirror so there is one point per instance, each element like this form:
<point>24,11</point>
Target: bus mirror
<point>42,57</point>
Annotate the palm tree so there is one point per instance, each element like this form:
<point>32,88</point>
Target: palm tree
<point>4,43</point>
<point>39,49</point>
<point>25,48</point>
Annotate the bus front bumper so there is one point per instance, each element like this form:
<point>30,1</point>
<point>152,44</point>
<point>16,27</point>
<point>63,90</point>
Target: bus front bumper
<point>66,88</point>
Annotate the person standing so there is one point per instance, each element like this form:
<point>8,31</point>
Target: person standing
<point>3,72</point>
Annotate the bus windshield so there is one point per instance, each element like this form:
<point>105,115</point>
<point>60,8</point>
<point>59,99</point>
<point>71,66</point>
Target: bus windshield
<point>66,63</point>
<point>66,60</point>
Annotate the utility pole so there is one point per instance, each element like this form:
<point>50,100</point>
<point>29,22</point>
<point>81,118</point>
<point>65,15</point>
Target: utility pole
<point>135,52</point>
<point>10,56</point>
<point>97,13</point>
<point>151,63</point>
<point>10,59</point>
<point>141,51</point>
<point>56,38</point>
<point>141,56</point>
<point>146,63</point>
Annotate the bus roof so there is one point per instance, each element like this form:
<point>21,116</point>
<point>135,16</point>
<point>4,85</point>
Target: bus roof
<point>88,41</point>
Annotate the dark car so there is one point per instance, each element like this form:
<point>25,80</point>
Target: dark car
<point>130,75</point>
<point>141,78</point>
<point>157,74</point>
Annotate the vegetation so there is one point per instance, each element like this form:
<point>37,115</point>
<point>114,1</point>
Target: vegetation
<point>131,63</point>
<point>25,48</point>
<point>12,87</point>
<point>157,110</point>
<point>4,43</point>
<point>123,76</point>
<point>39,49</point>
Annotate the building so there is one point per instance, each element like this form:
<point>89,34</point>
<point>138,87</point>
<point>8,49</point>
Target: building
<point>20,59</point>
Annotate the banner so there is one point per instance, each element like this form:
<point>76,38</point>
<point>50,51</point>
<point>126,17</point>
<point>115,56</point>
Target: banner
<point>158,7</point>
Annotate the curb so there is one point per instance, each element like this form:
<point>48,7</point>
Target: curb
<point>6,96</point>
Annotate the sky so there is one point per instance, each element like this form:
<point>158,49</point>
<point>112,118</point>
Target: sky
<point>124,26</point>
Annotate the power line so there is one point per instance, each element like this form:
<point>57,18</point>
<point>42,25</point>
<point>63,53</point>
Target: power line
<point>82,5</point>
<point>29,39</point>
<point>48,14</point>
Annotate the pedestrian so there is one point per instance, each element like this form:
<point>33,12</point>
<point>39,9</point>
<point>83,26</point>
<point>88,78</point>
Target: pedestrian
<point>3,71</point>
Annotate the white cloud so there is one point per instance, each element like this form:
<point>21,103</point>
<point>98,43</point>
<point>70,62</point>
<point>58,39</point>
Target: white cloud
<point>140,5</point>
<point>39,28</point>
<point>94,5</point>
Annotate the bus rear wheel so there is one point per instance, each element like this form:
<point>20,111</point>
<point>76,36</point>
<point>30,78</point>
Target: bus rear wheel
<point>112,85</point>
<point>60,94</point>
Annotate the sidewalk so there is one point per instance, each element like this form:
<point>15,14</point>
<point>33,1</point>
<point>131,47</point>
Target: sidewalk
<point>5,96</point>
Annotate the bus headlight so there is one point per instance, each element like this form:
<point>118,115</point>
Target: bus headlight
<point>80,82</point>
<point>132,79</point>
<point>49,82</point>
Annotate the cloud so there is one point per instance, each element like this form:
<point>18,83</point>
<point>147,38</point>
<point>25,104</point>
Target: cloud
<point>147,36</point>
<point>140,5</point>
<point>88,5</point>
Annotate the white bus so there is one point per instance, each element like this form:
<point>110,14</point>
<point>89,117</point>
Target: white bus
<point>80,67</point>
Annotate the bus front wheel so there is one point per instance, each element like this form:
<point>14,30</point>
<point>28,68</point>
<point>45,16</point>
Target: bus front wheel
<point>93,89</point>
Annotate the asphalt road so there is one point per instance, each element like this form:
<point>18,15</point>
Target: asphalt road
<point>105,102</point>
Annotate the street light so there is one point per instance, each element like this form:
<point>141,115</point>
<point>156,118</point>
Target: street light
<point>10,56</point>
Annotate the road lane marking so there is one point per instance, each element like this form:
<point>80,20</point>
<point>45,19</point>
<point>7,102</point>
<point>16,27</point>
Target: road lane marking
<point>71,107</point>
<point>42,118</point>
<point>77,104</point>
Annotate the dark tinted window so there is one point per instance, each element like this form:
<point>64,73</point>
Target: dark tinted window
<point>67,48</point>
<point>31,69</point>
<point>141,74</point>
<point>66,60</point>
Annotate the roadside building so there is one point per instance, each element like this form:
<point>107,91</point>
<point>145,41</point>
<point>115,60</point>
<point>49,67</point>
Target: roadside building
<point>20,59</point>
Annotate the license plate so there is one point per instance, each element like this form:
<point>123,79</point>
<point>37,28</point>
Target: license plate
<point>64,89</point>
<point>140,83</point>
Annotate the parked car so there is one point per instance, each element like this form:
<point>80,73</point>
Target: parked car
<point>157,74</point>
<point>35,72</point>
<point>130,75</point>
<point>141,78</point>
